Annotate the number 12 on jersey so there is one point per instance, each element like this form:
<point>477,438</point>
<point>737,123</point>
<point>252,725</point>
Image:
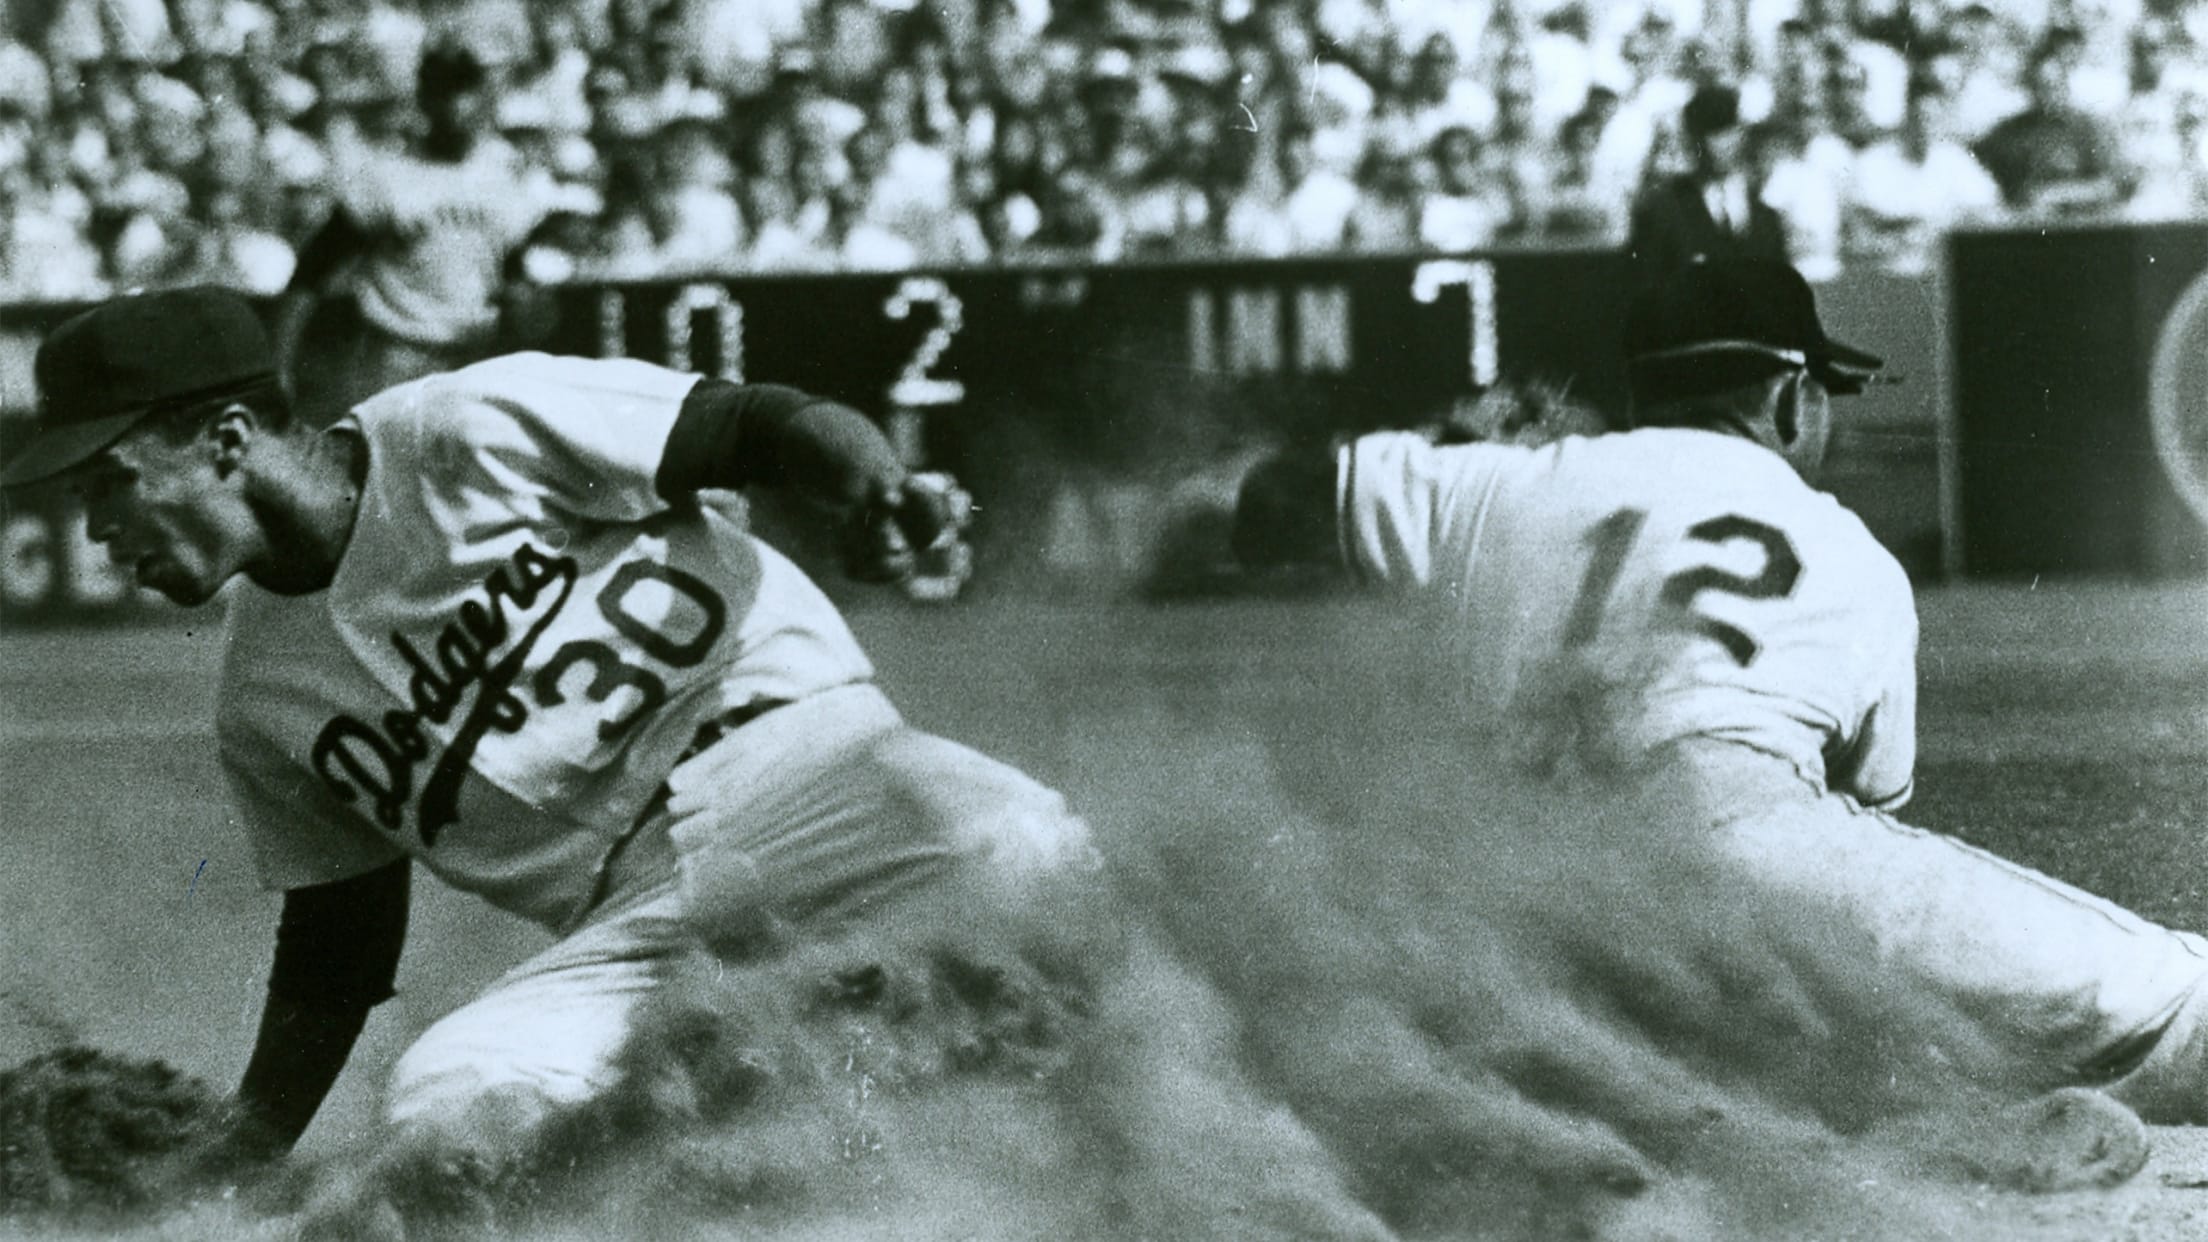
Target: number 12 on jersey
<point>1613,538</point>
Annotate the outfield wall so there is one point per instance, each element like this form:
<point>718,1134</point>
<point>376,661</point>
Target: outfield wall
<point>1102,415</point>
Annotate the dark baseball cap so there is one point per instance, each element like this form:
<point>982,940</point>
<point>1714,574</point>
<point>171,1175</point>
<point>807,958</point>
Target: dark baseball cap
<point>1710,109</point>
<point>1724,317</point>
<point>104,369</point>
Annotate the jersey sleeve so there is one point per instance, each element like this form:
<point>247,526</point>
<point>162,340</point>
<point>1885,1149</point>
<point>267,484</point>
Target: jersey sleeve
<point>1397,498</point>
<point>297,836</point>
<point>1880,763</point>
<point>585,436</point>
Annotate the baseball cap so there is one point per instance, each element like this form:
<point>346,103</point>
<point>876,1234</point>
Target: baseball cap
<point>104,369</point>
<point>1710,109</point>
<point>1719,317</point>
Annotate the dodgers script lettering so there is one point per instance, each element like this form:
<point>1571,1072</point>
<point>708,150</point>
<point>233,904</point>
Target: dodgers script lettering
<point>355,758</point>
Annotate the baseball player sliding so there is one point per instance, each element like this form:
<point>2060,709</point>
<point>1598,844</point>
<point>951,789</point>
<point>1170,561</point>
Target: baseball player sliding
<point>497,621</point>
<point>1678,598</point>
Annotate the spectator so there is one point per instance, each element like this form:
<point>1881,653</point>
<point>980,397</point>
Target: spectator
<point>1438,93</point>
<point>2160,127</point>
<point>1575,207</point>
<point>1263,104</point>
<point>2173,181</point>
<point>268,85</point>
<point>170,117</point>
<point>46,254</point>
<point>1075,224</point>
<point>695,183</point>
<point>1805,191</point>
<point>2052,159</point>
<point>26,84</point>
<point>1515,161</point>
<point>498,33</point>
<point>914,189</point>
<point>556,70</point>
<point>854,45</point>
<point>1461,209</point>
<point>223,247</point>
<point>2095,44</point>
<point>876,239</point>
<point>1310,215</point>
<point>800,97</point>
<point>736,39</point>
<point>1563,65</point>
<point>1988,70</point>
<point>219,28</point>
<point>1713,208</point>
<point>1017,160</point>
<point>1385,217</point>
<point>972,228</point>
<point>671,78</point>
<point>1913,186</point>
<point>922,48</point>
<point>632,221</point>
<point>1797,80</point>
<point>110,31</point>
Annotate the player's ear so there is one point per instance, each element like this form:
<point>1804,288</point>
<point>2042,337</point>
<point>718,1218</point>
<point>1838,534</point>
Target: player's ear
<point>1786,409</point>
<point>232,434</point>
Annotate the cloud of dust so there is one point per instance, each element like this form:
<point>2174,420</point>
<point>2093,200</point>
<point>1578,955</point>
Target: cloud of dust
<point>1347,982</point>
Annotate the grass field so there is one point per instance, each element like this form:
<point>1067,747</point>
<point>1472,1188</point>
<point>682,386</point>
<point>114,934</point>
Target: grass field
<point>2063,725</point>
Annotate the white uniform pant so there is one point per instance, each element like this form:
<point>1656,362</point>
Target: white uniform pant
<point>2056,975</point>
<point>813,816</point>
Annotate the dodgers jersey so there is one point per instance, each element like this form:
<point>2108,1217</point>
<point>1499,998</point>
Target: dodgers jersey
<point>521,639</point>
<point>1690,581</point>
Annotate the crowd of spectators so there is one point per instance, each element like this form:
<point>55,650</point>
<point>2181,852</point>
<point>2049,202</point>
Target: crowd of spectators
<point>152,141</point>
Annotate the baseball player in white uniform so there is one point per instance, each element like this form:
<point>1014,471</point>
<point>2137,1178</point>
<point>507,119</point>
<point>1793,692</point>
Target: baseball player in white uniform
<point>499,622</point>
<point>1678,595</point>
<point>409,274</point>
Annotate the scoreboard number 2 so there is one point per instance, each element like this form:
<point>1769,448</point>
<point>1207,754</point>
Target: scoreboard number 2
<point>914,387</point>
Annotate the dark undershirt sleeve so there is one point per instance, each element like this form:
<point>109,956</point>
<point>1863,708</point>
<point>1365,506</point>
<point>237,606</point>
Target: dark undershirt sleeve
<point>819,451</point>
<point>727,436</point>
<point>339,944</point>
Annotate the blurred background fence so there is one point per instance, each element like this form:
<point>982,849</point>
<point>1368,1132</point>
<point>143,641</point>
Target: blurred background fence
<point>1102,413</point>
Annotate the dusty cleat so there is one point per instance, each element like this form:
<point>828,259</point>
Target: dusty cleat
<point>2069,1139</point>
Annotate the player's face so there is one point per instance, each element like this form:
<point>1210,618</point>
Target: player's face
<point>165,514</point>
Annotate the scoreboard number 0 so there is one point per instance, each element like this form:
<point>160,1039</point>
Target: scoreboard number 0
<point>711,303</point>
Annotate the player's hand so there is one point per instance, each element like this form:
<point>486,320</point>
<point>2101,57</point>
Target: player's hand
<point>911,531</point>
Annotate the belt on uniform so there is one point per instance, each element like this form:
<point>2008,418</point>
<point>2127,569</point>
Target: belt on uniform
<point>708,735</point>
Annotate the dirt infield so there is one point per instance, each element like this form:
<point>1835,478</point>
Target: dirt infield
<point>2066,727</point>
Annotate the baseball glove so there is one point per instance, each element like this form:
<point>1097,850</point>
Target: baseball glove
<point>89,1135</point>
<point>912,533</point>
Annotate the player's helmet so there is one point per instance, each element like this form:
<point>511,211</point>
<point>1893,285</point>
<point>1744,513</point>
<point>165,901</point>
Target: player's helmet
<point>1717,323</point>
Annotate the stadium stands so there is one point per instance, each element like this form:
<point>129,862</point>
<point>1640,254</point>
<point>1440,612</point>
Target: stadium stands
<point>201,140</point>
